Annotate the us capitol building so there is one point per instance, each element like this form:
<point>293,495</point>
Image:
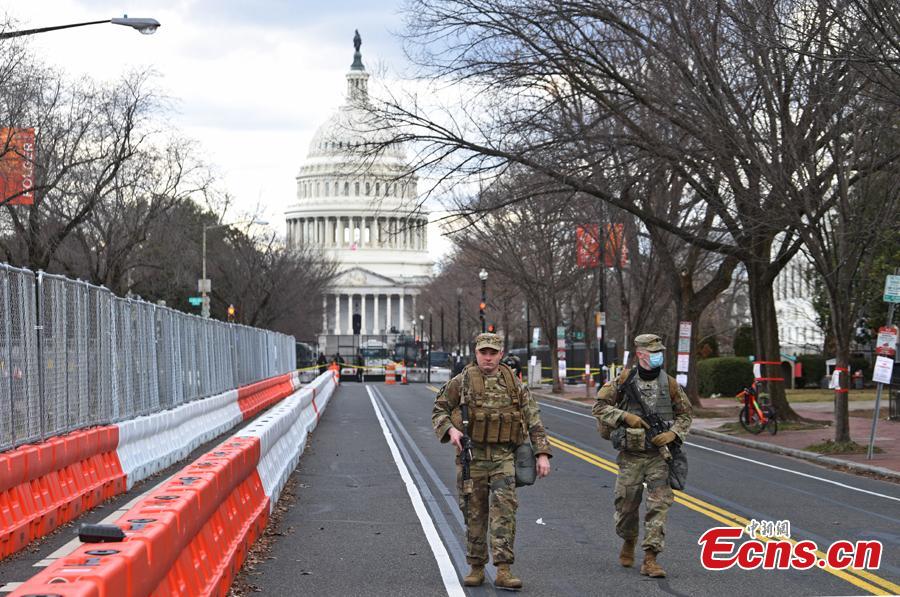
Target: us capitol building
<point>360,210</point>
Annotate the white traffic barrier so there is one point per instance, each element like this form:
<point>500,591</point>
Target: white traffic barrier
<point>283,432</point>
<point>151,443</point>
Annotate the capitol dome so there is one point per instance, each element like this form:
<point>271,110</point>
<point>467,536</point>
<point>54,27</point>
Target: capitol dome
<point>357,202</point>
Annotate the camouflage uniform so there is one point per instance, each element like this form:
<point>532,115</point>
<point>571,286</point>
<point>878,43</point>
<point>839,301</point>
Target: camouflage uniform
<point>639,467</point>
<point>492,505</point>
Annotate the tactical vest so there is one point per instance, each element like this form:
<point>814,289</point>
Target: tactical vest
<point>663,398</point>
<point>489,424</point>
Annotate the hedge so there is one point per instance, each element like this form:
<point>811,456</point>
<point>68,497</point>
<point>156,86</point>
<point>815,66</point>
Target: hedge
<point>813,370</point>
<point>724,375</point>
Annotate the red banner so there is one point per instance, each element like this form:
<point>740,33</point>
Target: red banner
<point>615,249</point>
<point>587,246</point>
<point>16,166</point>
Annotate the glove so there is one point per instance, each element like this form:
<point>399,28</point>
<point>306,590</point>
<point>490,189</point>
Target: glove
<point>666,437</point>
<point>634,421</point>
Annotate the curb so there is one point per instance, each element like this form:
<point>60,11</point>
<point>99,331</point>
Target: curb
<point>829,461</point>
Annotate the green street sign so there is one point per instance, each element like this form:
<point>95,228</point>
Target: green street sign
<point>892,289</point>
<point>195,301</point>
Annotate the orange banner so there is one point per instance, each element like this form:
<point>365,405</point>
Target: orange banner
<point>587,246</point>
<point>615,249</point>
<point>16,166</point>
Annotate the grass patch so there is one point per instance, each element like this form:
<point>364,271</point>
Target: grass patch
<point>832,447</point>
<point>730,412</point>
<point>735,428</point>
<point>816,395</point>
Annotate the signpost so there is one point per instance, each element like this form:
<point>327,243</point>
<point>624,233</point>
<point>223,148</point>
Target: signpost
<point>885,345</point>
<point>684,352</point>
<point>195,301</point>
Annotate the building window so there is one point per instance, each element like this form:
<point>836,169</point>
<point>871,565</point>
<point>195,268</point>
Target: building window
<point>356,189</point>
<point>368,189</point>
<point>317,189</point>
<point>326,188</point>
<point>346,189</point>
<point>377,188</point>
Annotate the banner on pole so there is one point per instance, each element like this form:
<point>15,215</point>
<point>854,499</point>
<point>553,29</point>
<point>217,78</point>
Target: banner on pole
<point>587,246</point>
<point>17,166</point>
<point>614,250</point>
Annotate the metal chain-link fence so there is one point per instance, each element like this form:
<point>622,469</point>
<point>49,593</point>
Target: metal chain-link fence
<point>73,355</point>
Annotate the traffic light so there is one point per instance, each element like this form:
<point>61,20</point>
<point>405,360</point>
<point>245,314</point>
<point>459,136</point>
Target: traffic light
<point>481,306</point>
<point>230,313</point>
<point>491,328</point>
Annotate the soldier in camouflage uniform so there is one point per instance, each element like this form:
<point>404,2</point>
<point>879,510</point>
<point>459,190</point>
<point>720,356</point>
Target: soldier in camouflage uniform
<point>501,410</point>
<point>620,419</point>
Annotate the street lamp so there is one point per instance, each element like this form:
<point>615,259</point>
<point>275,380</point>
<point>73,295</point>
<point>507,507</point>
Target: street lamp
<point>459,323</point>
<point>430,332</point>
<point>145,26</point>
<point>204,285</point>
<point>483,275</point>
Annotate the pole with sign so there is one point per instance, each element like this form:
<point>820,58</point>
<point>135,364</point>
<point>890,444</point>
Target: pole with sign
<point>886,347</point>
<point>684,352</point>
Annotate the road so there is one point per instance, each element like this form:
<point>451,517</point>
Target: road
<point>376,512</point>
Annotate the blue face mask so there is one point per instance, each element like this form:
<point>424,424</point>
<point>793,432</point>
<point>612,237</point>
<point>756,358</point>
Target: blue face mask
<point>656,360</point>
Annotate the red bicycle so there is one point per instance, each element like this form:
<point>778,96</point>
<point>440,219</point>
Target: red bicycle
<point>757,414</point>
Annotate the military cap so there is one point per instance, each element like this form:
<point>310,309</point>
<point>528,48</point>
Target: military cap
<point>488,340</point>
<point>649,342</point>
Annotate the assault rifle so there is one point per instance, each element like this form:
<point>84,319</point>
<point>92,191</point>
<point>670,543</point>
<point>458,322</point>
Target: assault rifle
<point>465,459</point>
<point>657,426</point>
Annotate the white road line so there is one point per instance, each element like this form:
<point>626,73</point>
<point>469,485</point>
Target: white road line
<point>787,470</point>
<point>10,587</point>
<point>765,464</point>
<point>448,572</point>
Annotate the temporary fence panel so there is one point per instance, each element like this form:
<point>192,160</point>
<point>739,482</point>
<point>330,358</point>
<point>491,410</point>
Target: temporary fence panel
<point>73,355</point>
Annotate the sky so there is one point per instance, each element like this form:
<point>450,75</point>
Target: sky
<point>250,80</point>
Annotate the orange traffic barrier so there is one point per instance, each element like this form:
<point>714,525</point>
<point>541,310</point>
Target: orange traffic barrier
<point>188,537</point>
<point>336,370</point>
<point>390,374</point>
<point>403,373</point>
<point>263,394</point>
<point>46,485</point>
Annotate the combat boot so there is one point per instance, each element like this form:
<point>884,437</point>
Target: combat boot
<point>505,578</point>
<point>650,567</point>
<point>475,576</point>
<point>626,556</point>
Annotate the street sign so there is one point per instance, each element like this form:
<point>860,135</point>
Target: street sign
<point>195,301</point>
<point>892,289</point>
<point>204,285</point>
<point>886,345</point>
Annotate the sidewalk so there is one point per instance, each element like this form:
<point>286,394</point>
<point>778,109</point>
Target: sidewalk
<point>791,442</point>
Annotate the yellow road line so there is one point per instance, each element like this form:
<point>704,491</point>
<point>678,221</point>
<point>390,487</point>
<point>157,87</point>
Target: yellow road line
<point>731,519</point>
<point>879,586</point>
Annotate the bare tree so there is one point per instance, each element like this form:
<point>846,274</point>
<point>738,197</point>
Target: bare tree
<point>148,188</point>
<point>725,94</point>
<point>86,134</point>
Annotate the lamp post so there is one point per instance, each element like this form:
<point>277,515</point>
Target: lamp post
<point>483,276</point>
<point>430,332</point>
<point>421,334</point>
<point>459,323</point>
<point>145,26</point>
<point>203,284</point>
